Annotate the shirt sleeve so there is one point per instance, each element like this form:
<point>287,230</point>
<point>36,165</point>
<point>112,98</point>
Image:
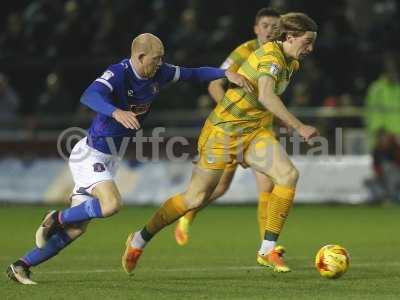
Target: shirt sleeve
<point>235,59</point>
<point>97,97</point>
<point>170,73</point>
<point>111,77</point>
<point>202,74</point>
<point>173,73</point>
<point>271,66</point>
<point>228,62</point>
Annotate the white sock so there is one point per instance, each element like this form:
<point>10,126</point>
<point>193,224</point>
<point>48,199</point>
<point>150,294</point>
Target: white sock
<point>137,241</point>
<point>266,247</point>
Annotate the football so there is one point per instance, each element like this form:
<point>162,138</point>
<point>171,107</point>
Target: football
<point>332,261</point>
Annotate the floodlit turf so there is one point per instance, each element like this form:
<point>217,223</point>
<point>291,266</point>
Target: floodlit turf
<point>219,262</point>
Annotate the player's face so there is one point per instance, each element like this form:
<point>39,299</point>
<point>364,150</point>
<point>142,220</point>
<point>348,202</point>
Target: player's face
<point>263,28</point>
<point>152,62</point>
<point>301,46</point>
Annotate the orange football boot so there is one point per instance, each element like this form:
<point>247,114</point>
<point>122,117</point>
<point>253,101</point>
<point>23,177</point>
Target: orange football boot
<point>182,231</point>
<point>274,260</point>
<point>131,256</point>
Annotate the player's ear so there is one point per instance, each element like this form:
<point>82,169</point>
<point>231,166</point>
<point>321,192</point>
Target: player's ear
<point>141,57</point>
<point>255,28</point>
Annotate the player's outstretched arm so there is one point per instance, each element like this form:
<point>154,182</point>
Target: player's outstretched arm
<point>268,98</point>
<point>205,74</point>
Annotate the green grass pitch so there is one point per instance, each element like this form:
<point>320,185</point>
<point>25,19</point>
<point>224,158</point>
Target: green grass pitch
<point>219,262</point>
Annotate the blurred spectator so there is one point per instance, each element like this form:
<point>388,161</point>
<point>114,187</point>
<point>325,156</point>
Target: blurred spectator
<point>188,39</point>
<point>329,35</point>
<point>383,99</point>
<point>159,24</point>
<point>104,34</point>
<point>357,91</point>
<point>300,95</point>
<point>204,104</point>
<point>386,164</point>
<point>70,37</point>
<point>358,14</point>
<point>55,101</point>
<point>222,34</point>
<point>41,17</point>
<point>12,40</point>
<point>311,84</point>
<point>9,100</point>
<point>86,35</point>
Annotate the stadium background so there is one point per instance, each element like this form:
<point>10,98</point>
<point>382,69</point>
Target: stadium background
<point>50,50</point>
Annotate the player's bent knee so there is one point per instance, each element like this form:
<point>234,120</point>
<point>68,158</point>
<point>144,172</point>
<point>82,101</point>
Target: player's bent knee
<point>219,191</point>
<point>82,227</point>
<point>266,187</point>
<point>195,201</point>
<point>116,203</point>
<point>111,205</point>
<point>76,230</point>
<point>109,197</point>
<point>290,177</point>
<point>264,183</point>
<point>294,175</point>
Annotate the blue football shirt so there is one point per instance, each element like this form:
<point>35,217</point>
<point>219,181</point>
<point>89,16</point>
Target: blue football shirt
<point>127,91</point>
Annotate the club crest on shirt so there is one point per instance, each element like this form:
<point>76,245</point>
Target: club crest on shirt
<point>99,167</point>
<point>139,109</point>
<point>274,69</point>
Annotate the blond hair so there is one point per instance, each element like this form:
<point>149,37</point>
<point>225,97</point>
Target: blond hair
<point>293,23</point>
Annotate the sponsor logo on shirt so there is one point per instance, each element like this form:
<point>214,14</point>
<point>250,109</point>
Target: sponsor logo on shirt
<point>139,109</point>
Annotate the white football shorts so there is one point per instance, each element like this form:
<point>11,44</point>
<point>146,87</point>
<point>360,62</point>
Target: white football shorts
<point>89,167</point>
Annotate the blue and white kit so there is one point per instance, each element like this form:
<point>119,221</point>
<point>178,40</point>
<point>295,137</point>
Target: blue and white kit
<point>120,87</point>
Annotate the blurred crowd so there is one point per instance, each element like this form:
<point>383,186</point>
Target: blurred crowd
<point>50,50</point>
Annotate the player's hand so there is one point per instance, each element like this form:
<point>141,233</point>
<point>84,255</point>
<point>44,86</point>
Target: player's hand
<point>308,132</point>
<point>126,118</point>
<point>239,80</point>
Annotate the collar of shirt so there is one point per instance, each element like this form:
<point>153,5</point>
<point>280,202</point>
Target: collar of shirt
<point>134,71</point>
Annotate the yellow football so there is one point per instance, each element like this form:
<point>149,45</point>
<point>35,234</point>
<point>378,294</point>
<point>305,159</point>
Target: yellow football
<point>332,261</point>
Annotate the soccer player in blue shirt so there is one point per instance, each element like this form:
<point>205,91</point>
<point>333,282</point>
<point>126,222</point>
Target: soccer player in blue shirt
<point>122,97</point>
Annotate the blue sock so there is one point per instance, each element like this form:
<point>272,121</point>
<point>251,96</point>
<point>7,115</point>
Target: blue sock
<point>85,211</point>
<point>58,241</point>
